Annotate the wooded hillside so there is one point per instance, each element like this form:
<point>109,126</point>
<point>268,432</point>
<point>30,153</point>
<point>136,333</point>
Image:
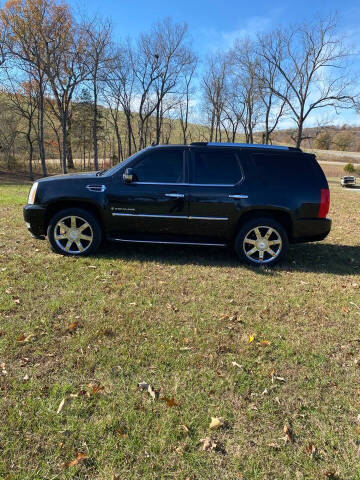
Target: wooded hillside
<point>71,91</point>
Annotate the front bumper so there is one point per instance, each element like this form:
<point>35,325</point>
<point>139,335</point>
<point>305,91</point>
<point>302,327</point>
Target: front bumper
<point>311,229</point>
<point>34,216</point>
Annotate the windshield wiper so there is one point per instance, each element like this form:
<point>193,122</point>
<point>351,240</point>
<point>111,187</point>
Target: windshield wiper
<point>100,172</point>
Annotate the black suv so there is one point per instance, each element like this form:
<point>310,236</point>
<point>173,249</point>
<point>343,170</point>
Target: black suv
<point>256,198</point>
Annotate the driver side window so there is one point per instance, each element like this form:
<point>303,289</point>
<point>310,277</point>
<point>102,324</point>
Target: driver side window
<point>160,167</point>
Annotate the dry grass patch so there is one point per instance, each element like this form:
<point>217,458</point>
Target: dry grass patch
<point>86,332</point>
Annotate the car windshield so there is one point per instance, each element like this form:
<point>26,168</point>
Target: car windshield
<point>114,169</point>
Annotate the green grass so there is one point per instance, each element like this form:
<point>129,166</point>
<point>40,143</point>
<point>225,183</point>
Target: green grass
<point>177,318</point>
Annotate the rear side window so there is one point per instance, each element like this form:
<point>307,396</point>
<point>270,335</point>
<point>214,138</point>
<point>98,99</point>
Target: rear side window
<point>284,170</point>
<point>216,168</point>
<point>165,166</point>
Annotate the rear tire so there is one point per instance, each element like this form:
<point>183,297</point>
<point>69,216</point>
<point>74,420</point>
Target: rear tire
<point>262,241</point>
<point>74,232</point>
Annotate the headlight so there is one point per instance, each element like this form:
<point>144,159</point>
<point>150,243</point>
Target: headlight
<point>32,193</point>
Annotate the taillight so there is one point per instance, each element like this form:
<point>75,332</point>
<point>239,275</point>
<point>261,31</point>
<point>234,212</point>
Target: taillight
<point>324,203</point>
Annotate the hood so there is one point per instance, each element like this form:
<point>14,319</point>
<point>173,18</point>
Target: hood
<point>70,176</point>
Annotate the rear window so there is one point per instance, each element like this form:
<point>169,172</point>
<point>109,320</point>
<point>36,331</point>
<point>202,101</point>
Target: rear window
<point>216,168</point>
<point>289,170</point>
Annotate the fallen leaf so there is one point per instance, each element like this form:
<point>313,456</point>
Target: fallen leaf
<point>289,436</point>
<point>216,422</point>
<point>251,338</point>
<point>151,391</point>
<point>60,407</point>
<point>92,266</point>
<point>265,343</point>
<point>208,444</point>
<point>170,402</point>
<point>120,432</point>
<point>73,326</point>
<point>96,389</point>
<point>235,364</point>
<point>26,377</point>
<point>276,377</point>
<point>22,338</point>
<point>17,301</point>
<point>79,458</point>
<point>310,449</point>
<point>185,428</point>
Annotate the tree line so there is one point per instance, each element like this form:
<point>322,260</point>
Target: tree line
<point>71,77</point>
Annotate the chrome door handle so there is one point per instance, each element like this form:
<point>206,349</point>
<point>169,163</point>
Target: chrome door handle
<point>237,197</point>
<point>174,195</point>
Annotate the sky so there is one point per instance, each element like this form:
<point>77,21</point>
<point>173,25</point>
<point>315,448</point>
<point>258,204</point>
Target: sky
<point>214,24</point>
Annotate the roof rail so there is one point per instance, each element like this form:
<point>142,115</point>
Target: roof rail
<point>244,145</point>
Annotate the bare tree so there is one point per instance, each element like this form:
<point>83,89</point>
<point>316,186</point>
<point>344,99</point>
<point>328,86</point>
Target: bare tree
<point>214,93</point>
<point>4,42</point>
<point>145,62</point>
<point>98,59</point>
<point>274,106</point>
<point>9,121</point>
<point>185,98</point>
<point>25,20</point>
<point>311,59</point>
<point>175,55</point>
<point>65,69</point>
<point>119,93</point>
<point>23,98</point>
<point>245,66</point>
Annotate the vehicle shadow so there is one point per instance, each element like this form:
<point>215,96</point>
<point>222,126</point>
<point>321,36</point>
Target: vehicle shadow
<point>307,257</point>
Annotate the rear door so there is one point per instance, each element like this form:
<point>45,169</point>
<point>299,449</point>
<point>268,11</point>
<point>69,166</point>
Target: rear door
<point>156,202</point>
<point>218,191</point>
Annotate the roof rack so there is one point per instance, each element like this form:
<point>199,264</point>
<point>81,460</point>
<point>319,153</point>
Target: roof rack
<point>244,145</point>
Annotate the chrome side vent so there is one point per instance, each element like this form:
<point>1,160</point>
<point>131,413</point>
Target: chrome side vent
<point>96,188</point>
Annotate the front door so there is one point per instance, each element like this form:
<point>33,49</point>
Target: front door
<point>156,201</point>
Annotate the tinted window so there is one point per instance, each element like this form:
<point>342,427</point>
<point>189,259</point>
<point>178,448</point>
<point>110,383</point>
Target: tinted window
<point>287,170</point>
<point>165,166</point>
<point>216,167</point>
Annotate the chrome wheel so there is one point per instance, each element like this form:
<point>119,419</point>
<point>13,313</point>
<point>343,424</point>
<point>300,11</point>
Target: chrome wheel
<point>262,244</point>
<point>73,234</point>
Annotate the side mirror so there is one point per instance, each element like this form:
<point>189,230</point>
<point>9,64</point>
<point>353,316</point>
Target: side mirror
<point>128,175</point>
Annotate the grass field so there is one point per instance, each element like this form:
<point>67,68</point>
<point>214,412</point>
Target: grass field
<point>274,353</point>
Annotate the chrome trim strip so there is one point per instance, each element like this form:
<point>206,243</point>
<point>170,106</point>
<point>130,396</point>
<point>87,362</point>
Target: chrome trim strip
<point>146,215</point>
<point>96,188</point>
<point>175,195</point>
<point>186,184</point>
<point>168,242</point>
<point>208,218</point>
<point>238,196</point>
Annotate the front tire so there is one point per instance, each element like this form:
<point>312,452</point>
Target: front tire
<point>74,232</point>
<point>261,241</point>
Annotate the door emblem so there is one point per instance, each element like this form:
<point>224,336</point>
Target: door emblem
<point>120,209</point>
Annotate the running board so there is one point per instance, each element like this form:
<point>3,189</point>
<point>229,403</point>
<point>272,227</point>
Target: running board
<point>167,242</point>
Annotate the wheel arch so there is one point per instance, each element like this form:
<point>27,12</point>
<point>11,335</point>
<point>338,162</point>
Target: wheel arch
<point>281,216</point>
<point>59,205</point>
